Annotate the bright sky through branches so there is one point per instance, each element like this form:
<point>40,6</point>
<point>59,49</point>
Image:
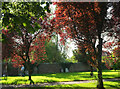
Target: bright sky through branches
<point>71,44</point>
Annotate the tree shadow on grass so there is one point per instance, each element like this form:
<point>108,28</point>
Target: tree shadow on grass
<point>18,80</point>
<point>22,80</point>
<point>80,76</point>
<point>66,76</point>
<point>110,71</point>
<point>110,76</point>
<point>113,86</point>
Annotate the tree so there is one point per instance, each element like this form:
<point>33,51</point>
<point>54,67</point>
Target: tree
<point>80,56</point>
<point>84,22</point>
<point>26,23</point>
<point>87,23</point>
<point>116,62</point>
<point>113,24</point>
<point>71,60</point>
<point>54,55</point>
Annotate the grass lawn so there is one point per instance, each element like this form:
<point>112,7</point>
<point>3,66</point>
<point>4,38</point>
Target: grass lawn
<point>107,85</point>
<point>58,77</point>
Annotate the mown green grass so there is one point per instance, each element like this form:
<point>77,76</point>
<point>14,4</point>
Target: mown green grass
<point>58,77</point>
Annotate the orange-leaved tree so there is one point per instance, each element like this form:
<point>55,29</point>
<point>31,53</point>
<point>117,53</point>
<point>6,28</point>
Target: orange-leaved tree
<point>85,23</point>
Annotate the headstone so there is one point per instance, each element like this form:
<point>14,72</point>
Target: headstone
<point>66,70</point>
<point>61,70</point>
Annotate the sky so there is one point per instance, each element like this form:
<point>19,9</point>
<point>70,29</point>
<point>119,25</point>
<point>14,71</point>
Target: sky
<point>72,47</point>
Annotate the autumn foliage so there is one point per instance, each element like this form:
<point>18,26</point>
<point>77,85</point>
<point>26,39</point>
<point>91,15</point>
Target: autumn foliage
<point>37,50</point>
<point>87,24</point>
<point>7,44</point>
<point>116,52</point>
<point>79,20</point>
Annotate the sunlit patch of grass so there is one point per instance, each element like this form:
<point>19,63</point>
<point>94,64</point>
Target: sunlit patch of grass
<point>16,80</point>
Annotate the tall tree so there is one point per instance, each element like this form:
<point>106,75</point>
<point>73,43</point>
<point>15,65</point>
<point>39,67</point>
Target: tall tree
<point>27,23</point>
<point>54,54</point>
<point>84,22</point>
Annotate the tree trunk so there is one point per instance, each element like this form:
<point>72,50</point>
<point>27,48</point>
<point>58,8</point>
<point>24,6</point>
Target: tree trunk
<point>28,68</point>
<point>100,79</point>
<point>30,76</point>
<point>29,71</point>
<point>91,71</point>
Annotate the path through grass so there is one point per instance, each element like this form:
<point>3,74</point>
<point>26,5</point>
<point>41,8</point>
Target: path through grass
<point>107,85</point>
